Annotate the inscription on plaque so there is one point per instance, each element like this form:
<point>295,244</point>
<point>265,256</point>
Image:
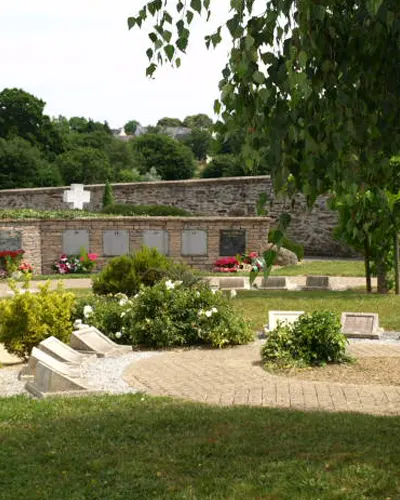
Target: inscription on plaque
<point>194,242</point>
<point>232,242</point>
<point>74,240</point>
<point>363,325</point>
<point>115,242</point>
<point>157,239</point>
<point>10,240</point>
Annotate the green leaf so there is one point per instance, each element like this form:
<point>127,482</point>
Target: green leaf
<point>167,35</point>
<point>182,43</point>
<point>189,16</point>
<point>284,221</point>
<point>178,62</point>
<point>374,6</point>
<point>258,77</point>
<point>217,107</point>
<point>277,237</point>
<point>151,69</point>
<point>196,5</point>
<point>131,22</point>
<point>169,50</point>
<point>249,42</point>
<point>149,53</point>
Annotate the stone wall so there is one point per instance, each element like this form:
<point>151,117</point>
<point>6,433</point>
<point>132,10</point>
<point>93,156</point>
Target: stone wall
<point>43,240</point>
<point>226,197</point>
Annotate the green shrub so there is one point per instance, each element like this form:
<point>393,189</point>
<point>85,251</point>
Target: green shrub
<point>126,273</point>
<point>314,339</point>
<point>296,248</point>
<point>108,197</point>
<point>225,165</point>
<point>168,314</point>
<point>149,210</point>
<point>28,318</point>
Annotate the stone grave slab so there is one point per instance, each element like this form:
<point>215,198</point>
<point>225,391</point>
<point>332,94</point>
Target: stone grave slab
<point>76,196</point>
<point>194,242</point>
<point>10,239</point>
<point>60,351</point>
<point>317,283</point>
<point>29,371</point>
<point>91,340</point>
<point>115,242</point>
<point>157,239</point>
<point>287,317</point>
<point>50,382</point>
<point>232,284</point>
<point>360,325</point>
<point>232,242</point>
<point>74,240</point>
<point>274,283</point>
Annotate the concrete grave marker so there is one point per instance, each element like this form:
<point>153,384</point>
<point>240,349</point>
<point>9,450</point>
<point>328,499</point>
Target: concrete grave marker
<point>232,242</point>
<point>317,283</point>
<point>194,242</point>
<point>360,325</point>
<point>60,351</point>
<point>77,196</point>
<point>274,283</point>
<point>10,239</point>
<point>287,317</point>
<point>50,382</point>
<point>74,240</point>
<point>37,355</point>
<point>157,239</point>
<point>115,242</point>
<point>91,340</point>
<point>231,283</point>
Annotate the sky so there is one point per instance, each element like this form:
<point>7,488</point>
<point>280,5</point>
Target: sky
<point>81,59</point>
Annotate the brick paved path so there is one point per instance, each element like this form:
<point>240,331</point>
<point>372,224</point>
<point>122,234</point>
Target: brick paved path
<point>234,376</point>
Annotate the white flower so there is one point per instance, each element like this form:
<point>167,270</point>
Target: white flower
<point>177,283</point>
<point>169,285</point>
<point>197,294</point>
<point>233,293</point>
<point>123,302</point>
<point>200,313</point>
<point>87,311</point>
<point>214,310</point>
<point>118,335</point>
<point>122,314</point>
<point>209,314</point>
<point>136,296</point>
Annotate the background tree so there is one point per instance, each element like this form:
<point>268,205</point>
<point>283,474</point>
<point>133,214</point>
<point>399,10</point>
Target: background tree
<point>169,122</point>
<point>223,166</point>
<point>130,127</point>
<point>171,159</point>
<point>199,141</point>
<point>199,121</point>
<point>84,165</point>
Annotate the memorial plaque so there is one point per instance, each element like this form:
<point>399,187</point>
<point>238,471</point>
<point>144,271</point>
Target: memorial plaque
<point>231,283</point>
<point>10,239</point>
<point>317,283</point>
<point>194,242</point>
<point>91,340</point>
<point>274,283</point>
<point>360,325</point>
<point>74,240</point>
<point>287,317</point>
<point>157,239</point>
<point>115,242</point>
<point>232,242</point>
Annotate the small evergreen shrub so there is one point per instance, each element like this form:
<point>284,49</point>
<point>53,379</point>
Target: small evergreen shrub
<point>149,210</point>
<point>314,339</point>
<point>108,197</point>
<point>296,248</point>
<point>28,318</point>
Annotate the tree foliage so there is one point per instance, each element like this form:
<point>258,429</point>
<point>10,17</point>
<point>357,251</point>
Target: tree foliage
<point>84,165</point>
<point>131,126</point>
<point>169,122</point>
<point>199,121</point>
<point>199,141</point>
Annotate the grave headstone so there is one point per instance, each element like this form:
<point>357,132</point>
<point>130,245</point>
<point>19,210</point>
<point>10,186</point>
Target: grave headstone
<point>231,283</point>
<point>274,283</point>
<point>157,239</point>
<point>76,196</point>
<point>48,381</point>
<point>10,240</point>
<point>232,242</point>
<point>317,283</point>
<point>287,317</point>
<point>115,242</point>
<point>60,351</point>
<point>67,369</point>
<point>74,240</point>
<point>360,325</point>
<point>194,242</point>
<point>91,340</point>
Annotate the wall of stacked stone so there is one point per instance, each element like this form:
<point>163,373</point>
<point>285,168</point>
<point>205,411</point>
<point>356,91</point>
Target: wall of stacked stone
<point>30,240</point>
<point>51,236</point>
<point>226,197</point>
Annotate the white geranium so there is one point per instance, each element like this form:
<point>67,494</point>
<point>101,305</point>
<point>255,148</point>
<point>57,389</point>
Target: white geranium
<point>233,293</point>
<point>169,285</point>
<point>118,335</point>
<point>123,301</point>
<point>214,310</point>
<point>197,294</point>
<point>87,311</point>
<point>208,313</point>
<point>122,314</point>
<point>200,313</point>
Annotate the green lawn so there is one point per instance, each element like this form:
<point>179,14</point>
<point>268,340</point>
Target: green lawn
<point>255,305</point>
<point>136,447</point>
<point>348,268</point>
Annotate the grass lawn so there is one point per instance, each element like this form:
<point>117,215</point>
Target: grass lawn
<point>255,305</point>
<point>350,268</point>
<point>134,447</point>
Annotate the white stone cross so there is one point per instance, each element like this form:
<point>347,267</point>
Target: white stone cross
<point>77,196</point>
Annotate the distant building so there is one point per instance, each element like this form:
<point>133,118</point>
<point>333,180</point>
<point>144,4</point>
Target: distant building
<point>174,132</point>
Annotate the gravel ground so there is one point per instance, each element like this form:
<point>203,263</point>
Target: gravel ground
<point>102,374</point>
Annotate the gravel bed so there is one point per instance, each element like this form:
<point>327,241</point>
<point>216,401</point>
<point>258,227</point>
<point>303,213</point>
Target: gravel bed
<point>102,374</point>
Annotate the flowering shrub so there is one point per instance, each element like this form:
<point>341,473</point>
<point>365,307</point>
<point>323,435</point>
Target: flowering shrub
<point>25,268</point>
<point>226,265</point>
<point>252,259</point>
<point>9,261</point>
<point>83,263</point>
<point>168,314</point>
<point>28,318</point>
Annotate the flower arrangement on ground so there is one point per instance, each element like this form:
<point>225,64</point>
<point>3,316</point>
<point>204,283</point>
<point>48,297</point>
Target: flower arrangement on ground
<point>10,260</point>
<point>226,265</point>
<point>71,264</point>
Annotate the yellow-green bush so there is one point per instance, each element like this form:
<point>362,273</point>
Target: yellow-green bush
<point>28,318</point>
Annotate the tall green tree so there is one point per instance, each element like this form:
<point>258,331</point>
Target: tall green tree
<point>199,141</point>
<point>169,122</point>
<point>199,121</point>
<point>84,165</point>
<point>131,126</point>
